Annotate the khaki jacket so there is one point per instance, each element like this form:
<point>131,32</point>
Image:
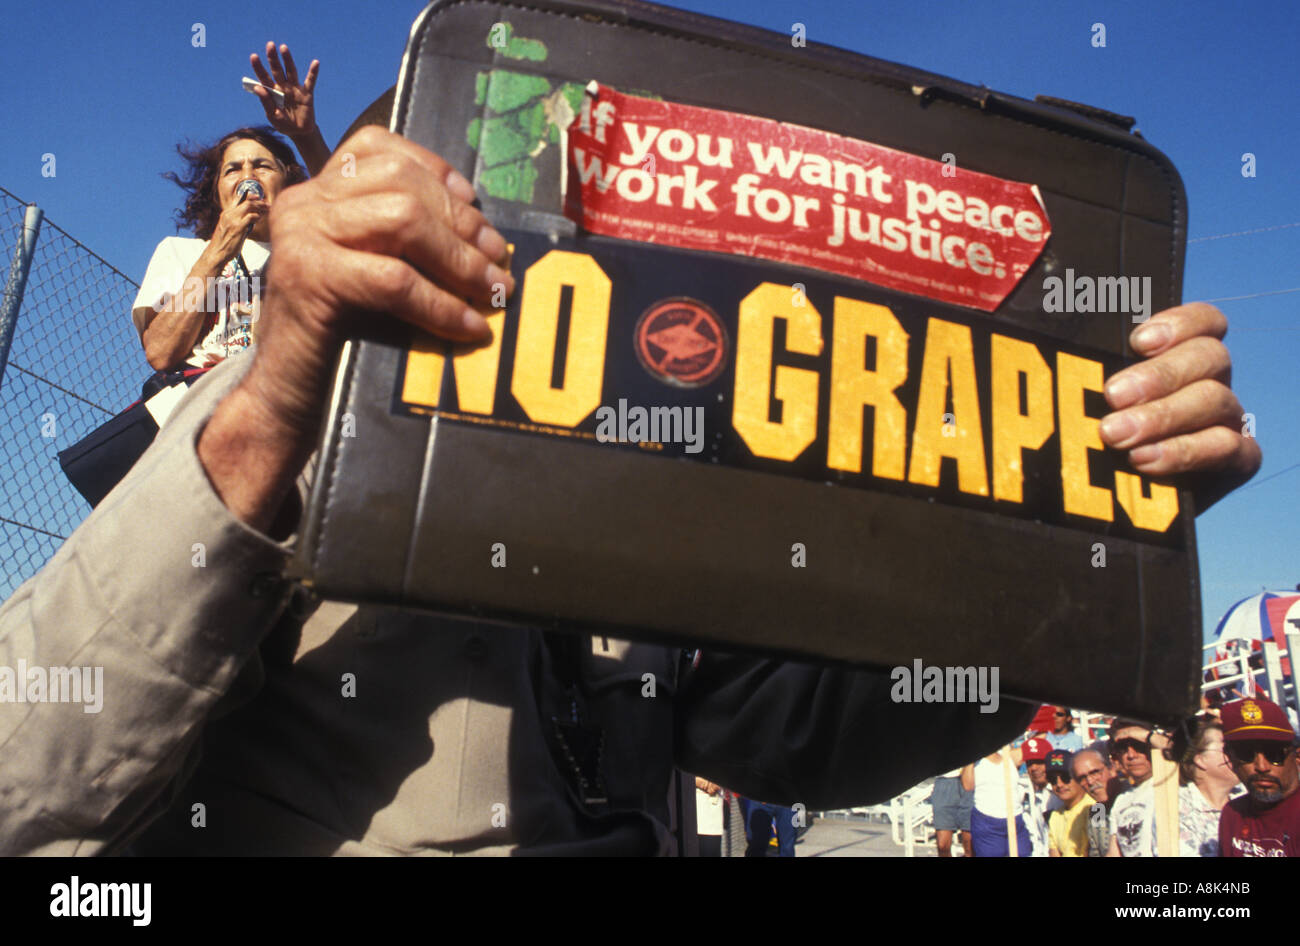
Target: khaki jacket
<point>238,718</point>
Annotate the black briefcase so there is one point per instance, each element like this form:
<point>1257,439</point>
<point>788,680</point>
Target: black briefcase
<point>98,462</point>
<point>891,466</point>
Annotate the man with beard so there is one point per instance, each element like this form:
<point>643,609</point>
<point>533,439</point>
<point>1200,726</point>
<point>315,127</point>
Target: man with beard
<point>1261,746</point>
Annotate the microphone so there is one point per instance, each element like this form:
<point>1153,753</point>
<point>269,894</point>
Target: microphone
<point>249,186</point>
<point>243,190</point>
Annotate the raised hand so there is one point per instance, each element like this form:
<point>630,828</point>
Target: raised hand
<point>297,116</point>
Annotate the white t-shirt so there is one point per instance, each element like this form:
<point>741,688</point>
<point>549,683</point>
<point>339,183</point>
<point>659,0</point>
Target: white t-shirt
<point>990,793</point>
<point>172,261</point>
<point>1133,821</point>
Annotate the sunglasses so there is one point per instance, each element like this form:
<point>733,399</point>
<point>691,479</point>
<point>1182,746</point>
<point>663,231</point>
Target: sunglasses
<point>1091,774</point>
<point>1060,715</point>
<point>1053,777</point>
<point>1245,752</point>
<point>1120,746</point>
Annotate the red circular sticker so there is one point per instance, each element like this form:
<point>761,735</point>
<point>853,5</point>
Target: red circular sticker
<point>681,341</point>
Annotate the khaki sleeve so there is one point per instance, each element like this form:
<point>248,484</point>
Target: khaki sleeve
<point>138,626</point>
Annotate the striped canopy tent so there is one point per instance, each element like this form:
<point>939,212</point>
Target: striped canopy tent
<point>1257,618</point>
<point>1254,620</point>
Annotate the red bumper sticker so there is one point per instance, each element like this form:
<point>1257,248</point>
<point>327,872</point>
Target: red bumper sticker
<point>704,179</point>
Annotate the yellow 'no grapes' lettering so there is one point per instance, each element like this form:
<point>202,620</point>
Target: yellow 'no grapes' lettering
<point>1016,428</point>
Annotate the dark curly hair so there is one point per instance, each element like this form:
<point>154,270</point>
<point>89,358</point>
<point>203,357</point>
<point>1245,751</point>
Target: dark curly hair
<point>202,208</point>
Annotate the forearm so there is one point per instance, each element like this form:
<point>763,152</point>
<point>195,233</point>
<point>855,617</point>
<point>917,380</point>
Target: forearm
<point>314,151</point>
<point>251,459</point>
<point>162,594</point>
<point>174,331</point>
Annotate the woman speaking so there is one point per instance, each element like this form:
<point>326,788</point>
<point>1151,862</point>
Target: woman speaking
<point>199,299</point>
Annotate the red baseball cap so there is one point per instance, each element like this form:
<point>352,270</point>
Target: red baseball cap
<point>1035,749</point>
<point>1255,718</point>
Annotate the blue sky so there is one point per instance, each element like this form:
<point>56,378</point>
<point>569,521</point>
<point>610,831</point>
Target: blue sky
<point>110,88</point>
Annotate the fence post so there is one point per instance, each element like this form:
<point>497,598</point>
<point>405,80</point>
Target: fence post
<point>17,281</point>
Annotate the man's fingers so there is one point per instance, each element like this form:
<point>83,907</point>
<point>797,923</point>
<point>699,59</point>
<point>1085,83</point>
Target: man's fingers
<point>388,166</point>
<point>491,244</point>
<point>1217,449</point>
<point>1166,329</point>
<point>1196,359</point>
<point>405,225</point>
<point>363,164</point>
<point>312,71</point>
<point>1200,405</point>
<point>375,141</point>
<point>1175,411</point>
<point>378,283</point>
<point>470,225</point>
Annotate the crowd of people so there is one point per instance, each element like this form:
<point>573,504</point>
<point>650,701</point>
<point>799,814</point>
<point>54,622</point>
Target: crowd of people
<point>1236,770</point>
<point>1237,780</point>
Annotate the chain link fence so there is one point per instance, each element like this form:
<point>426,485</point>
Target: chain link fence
<point>75,362</point>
